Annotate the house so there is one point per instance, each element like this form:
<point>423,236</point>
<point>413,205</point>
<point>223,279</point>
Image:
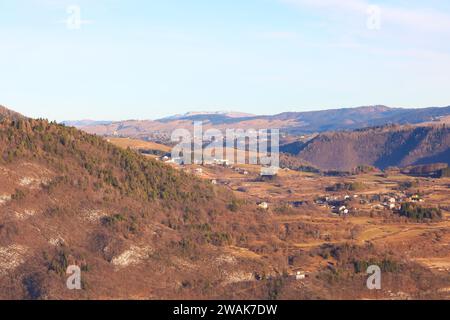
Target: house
<point>223,162</point>
<point>263,205</point>
<point>416,198</point>
<point>300,275</point>
<point>270,171</point>
<point>214,181</point>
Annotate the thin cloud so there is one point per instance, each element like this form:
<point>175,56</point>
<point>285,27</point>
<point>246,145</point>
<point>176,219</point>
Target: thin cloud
<point>347,5</point>
<point>423,19</point>
<point>278,35</point>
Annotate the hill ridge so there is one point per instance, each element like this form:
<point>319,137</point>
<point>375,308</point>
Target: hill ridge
<point>288,122</point>
<point>386,146</point>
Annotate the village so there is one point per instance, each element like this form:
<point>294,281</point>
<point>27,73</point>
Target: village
<point>338,202</point>
<point>271,188</point>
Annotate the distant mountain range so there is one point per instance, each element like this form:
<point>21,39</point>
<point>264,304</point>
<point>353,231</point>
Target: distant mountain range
<point>343,139</point>
<point>288,122</point>
<point>85,123</point>
<point>224,114</point>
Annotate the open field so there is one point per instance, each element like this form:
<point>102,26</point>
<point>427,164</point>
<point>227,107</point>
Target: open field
<point>138,144</point>
<point>308,226</point>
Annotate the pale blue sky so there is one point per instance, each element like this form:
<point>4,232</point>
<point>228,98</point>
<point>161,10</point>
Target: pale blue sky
<point>148,59</point>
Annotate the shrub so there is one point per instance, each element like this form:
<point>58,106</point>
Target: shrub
<point>386,265</point>
<point>363,169</point>
<point>414,211</point>
<point>444,173</point>
<point>59,263</point>
<point>408,185</point>
<point>218,238</point>
<point>18,195</point>
<point>234,205</point>
<point>113,220</point>
<point>355,186</point>
<point>274,288</point>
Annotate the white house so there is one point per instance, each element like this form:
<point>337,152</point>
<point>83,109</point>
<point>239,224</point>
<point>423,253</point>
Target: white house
<point>223,162</point>
<point>269,171</point>
<point>300,275</point>
<point>263,205</point>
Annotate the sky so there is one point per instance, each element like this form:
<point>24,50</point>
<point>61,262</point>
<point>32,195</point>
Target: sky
<point>131,59</point>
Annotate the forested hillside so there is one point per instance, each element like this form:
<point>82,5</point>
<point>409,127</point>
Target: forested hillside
<point>130,223</point>
<point>381,147</point>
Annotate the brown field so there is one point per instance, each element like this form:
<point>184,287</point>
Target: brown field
<point>138,144</point>
<point>419,244</point>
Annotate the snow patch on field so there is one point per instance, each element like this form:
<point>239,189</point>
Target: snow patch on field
<point>4,198</point>
<point>25,214</point>
<point>228,259</point>
<point>238,276</point>
<point>4,171</point>
<point>94,215</point>
<point>35,168</point>
<point>58,241</point>
<point>11,257</point>
<point>132,256</point>
<point>182,263</point>
<point>26,181</point>
<point>32,182</point>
